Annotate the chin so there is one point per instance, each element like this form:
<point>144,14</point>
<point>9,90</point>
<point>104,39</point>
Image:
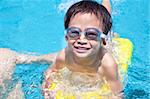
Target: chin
<point>81,55</point>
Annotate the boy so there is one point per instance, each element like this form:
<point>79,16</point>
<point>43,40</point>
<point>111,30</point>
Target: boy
<point>87,23</point>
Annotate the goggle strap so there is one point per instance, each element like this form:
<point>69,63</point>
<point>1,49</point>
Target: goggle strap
<point>103,35</point>
<point>65,32</point>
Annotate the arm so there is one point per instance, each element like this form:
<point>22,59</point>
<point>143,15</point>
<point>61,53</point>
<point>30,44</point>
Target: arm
<point>107,5</point>
<point>110,71</point>
<point>57,64</point>
<point>17,58</point>
<point>47,78</point>
<point>47,81</point>
<point>27,59</point>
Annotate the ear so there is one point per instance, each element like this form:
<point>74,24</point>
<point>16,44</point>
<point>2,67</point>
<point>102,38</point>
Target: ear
<point>66,38</point>
<point>103,41</point>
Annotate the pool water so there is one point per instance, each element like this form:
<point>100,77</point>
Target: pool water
<point>36,27</point>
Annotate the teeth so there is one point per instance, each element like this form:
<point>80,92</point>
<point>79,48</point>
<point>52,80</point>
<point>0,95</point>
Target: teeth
<point>82,48</point>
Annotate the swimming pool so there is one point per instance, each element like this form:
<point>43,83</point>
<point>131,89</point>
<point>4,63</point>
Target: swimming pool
<point>36,26</point>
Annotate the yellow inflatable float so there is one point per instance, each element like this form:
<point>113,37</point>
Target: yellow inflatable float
<point>122,53</point>
<point>65,85</point>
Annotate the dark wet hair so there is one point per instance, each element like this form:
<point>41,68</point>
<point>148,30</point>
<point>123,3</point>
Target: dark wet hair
<point>90,6</point>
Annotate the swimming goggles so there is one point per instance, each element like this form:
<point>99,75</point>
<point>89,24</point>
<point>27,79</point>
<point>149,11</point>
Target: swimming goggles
<point>74,33</point>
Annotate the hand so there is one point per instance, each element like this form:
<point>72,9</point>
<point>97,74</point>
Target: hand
<point>49,71</point>
<point>47,82</point>
<point>45,86</point>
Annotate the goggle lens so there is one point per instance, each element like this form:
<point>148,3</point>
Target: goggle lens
<point>73,33</point>
<point>90,33</point>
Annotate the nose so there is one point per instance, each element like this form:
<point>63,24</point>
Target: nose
<point>82,40</point>
<point>82,36</point>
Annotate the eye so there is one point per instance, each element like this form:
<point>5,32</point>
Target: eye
<point>73,33</point>
<point>91,35</point>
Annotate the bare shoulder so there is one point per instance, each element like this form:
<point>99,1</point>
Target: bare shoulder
<point>109,66</point>
<point>60,59</point>
<point>61,55</point>
<point>108,60</point>
<point>56,65</point>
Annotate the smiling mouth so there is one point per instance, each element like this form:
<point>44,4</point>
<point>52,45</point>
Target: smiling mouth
<point>81,49</point>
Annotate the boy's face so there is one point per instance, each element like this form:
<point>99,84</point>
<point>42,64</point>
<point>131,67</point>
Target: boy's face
<point>83,46</point>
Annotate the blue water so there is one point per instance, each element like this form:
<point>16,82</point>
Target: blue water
<point>36,26</point>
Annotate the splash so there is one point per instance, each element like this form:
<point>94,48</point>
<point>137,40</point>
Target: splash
<point>68,84</point>
<point>65,4</point>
